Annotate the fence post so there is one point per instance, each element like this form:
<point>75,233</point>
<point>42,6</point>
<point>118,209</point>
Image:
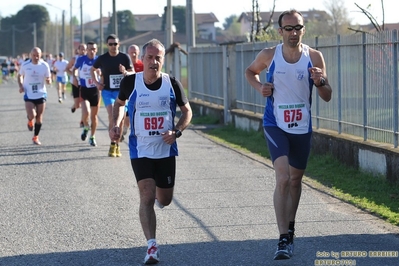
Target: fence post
<point>395,88</point>
<point>317,98</point>
<point>364,86</point>
<point>176,63</point>
<point>190,69</point>
<point>339,84</point>
<point>226,98</point>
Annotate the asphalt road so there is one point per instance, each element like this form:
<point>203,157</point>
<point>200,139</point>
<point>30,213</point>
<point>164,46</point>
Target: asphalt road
<point>67,203</point>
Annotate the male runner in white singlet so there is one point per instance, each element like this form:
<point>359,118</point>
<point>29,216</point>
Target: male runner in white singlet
<point>293,69</point>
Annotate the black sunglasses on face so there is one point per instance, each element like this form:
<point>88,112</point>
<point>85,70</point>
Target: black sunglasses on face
<point>291,28</point>
<point>113,44</point>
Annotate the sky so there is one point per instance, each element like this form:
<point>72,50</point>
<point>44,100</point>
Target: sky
<point>221,8</point>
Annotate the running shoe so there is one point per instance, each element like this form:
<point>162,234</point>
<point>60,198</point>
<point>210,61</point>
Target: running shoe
<point>118,151</point>
<point>36,140</point>
<point>84,134</point>
<point>82,124</point>
<point>30,125</point>
<point>291,242</point>
<point>282,252</point>
<point>124,133</point>
<point>60,100</point>
<point>73,109</point>
<point>158,204</point>
<point>92,141</point>
<point>112,150</point>
<point>152,256</point>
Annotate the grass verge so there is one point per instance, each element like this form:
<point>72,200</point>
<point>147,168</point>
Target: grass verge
<point>364,190</point>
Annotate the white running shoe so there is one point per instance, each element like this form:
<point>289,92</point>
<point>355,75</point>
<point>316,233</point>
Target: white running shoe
<point>152,256</point>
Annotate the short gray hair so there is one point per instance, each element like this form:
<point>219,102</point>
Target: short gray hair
<point>153,42</point>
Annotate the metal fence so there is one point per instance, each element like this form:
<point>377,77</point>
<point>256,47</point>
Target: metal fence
<point>362,70</point>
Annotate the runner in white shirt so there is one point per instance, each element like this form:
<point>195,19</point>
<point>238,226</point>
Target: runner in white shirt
<point>60,66</point>
<point>31,80</point>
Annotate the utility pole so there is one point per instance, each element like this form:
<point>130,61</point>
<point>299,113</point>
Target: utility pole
<point>34,35</point>
<point>190,33</point>
<point>115,17</point>
<point>63,27</point>
<point>82,36</point>
<point>190,22</point>
<point>101,28</point>
<point>57,46</point>
<point>71,29</point>
<point>169,35</point>
<point>13,40</point>
<point>45,40</point>
<point>63,32</point>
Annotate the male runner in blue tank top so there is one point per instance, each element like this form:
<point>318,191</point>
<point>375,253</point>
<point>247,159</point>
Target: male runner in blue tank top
<point>88,91</point>
<point>292,70</point>
<point>80,51</point>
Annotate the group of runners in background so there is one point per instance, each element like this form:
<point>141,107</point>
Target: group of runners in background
<point>94,79</point>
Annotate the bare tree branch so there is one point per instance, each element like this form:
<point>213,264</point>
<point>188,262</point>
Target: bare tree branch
<point>357,30</point>
<point>371,18</point>
<point>383,14</point>
<point>271,16</point>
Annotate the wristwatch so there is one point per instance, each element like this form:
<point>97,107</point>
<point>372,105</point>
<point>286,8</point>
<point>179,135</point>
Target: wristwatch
<point>178,133</point>
<point>322,82</point>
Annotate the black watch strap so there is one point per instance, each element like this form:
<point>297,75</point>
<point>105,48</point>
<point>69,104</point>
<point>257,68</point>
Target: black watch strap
<point>322,82</point>
<point>178,133</point>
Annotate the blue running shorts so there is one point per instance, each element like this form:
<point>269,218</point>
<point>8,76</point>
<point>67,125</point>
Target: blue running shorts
<point>295,146</point>
<point>109,96</point>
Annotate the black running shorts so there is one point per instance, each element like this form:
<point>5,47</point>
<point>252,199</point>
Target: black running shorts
<point>90,94</point>
<point>163,170</point>
<point>36,101</point>
<point>75,91</point>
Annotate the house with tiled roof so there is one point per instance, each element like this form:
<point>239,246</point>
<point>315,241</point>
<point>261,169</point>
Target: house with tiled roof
<point>205,26</point>
<point>149,22</point>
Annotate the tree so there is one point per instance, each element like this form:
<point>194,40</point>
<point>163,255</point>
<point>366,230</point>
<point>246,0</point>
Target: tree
<point>340,21</point>
<point>233,32</point>
<point>229,21</point>
<point>260,32</point>
<point>18,29</point>
<point>232,28</point>
<point>179,18</point>
<point>125,21</point>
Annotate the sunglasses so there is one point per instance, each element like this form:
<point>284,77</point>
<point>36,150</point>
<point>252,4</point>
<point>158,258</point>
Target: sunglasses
<point>113,44</point>
<point>291,28</point>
